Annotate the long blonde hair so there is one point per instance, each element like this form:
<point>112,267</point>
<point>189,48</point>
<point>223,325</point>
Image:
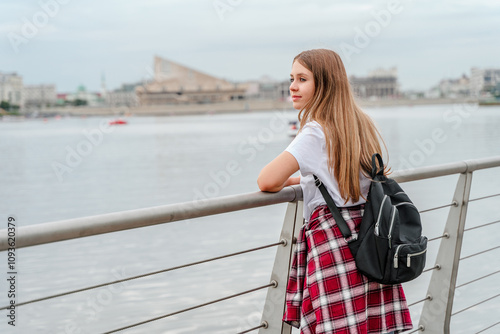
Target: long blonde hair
<point>351,135</point>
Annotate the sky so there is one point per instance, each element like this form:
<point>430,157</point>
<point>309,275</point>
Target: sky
<point>70,42</point>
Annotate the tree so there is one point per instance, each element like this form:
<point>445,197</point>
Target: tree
<point>79,102</point>
<point>5,105</point>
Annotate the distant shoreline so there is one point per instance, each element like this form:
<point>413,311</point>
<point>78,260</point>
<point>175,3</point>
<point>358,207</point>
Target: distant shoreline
<point>243,106</point>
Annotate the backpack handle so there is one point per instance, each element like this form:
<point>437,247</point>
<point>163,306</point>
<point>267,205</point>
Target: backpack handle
<point>375,171</point>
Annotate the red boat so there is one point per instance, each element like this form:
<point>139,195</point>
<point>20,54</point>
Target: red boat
<point>118,121</point>
<point>293,128</point>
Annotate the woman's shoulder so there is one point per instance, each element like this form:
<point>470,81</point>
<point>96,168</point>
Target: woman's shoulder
<point>310,135</point>
<point>313,127</point>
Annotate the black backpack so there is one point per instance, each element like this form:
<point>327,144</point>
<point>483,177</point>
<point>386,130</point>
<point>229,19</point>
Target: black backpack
<point>389,248</point>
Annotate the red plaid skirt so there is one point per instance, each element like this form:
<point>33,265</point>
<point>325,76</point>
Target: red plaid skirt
<point>327,294</point>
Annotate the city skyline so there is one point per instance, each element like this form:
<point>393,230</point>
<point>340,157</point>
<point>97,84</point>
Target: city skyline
<point>264,79</point>
<point>66,43</point>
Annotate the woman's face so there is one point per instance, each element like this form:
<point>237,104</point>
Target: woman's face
<point>301,85</point>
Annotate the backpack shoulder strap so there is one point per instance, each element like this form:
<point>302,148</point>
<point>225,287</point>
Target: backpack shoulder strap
<point>380,170</point>
<point>341,223</point>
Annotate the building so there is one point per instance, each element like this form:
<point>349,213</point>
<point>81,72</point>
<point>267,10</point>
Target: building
<point>40,95</point>
<point>11,89</point>
<point>104,91</point>
<point>82,97</point>
<point>484,81</point>
<point>125,96</point>
<point>266,89</point>
<point>175,83</point>
<point>380,83</point>
<point>454,87</point>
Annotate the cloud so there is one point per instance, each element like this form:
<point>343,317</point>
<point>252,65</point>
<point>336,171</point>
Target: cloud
<point>254,38</point>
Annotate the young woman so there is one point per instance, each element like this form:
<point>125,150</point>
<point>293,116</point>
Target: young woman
<point>326,293</point>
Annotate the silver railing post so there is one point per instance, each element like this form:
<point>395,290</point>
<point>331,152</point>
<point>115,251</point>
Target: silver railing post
<point>436,312</point>
<point>274,306</point>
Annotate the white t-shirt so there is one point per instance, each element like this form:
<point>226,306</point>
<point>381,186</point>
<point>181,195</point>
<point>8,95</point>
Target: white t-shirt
<point>309,149</point>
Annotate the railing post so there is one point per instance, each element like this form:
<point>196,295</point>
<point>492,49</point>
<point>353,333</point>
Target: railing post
<point>274,306</point>
<point>436,312</point>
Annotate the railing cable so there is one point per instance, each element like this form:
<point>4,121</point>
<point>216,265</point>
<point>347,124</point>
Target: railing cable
<point>475,254</point>
<point>481,302</point>
<point>419,301</point>
<point>262,325</point>
<point>439,207</point>
<point>446,235</point>
<point>437,266</point>
<point>420,328</point>
<point>484,197</point>
<point>282,242</point>
<point>477,279</point>
<point>483,330</point>
<point>472,228</point>
<point>273,284</point>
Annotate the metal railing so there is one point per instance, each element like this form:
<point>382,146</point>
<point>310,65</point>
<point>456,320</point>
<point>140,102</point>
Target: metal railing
<point>437,310</point>
<point>438,301</point>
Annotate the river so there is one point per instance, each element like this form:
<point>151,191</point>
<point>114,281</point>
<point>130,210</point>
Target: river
<point>65,168</point>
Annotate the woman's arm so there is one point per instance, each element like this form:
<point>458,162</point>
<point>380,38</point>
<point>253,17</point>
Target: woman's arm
<point>276,174</point>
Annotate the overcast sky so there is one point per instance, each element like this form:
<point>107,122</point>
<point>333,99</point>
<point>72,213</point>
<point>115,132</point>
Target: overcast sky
<point>72,42</point>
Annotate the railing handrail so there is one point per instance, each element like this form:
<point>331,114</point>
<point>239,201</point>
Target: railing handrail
<point>119,221</point>
<point>445,169</point>
<point>123,220</point>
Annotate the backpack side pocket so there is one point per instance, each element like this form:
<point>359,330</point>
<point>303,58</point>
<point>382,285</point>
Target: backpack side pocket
<point>408,260</point>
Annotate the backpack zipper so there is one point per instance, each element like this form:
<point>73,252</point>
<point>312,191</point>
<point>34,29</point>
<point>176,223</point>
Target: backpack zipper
<point>408,258</point>
<point>406,203</point>
<point>379,216</point>
<point>393,216</point>
<point>396,257</point>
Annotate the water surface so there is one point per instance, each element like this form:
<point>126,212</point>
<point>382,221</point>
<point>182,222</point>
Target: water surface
<point>73,167</point>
